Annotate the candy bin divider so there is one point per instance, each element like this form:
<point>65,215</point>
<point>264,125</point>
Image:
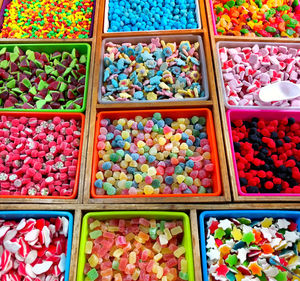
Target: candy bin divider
<point>213,41</point>
<point>74,199</point>
<point>212,104</point>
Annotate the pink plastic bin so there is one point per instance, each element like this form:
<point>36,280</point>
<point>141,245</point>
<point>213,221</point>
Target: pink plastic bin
<point>235,114</point>
<point>213,17</point>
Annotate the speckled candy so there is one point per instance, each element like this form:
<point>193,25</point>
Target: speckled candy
<point>153,156</point>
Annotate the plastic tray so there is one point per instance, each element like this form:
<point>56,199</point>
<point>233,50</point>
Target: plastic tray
<point>83,48</point>
<point>106,21</point>
<point>147,39</point>
<point>18,215</point>
<point>46,116</point>
<point>213,17</point>
<point>186,242</point>
<point>232,44</point>
<point>6,2</point>
<point>251,214</point>
<point>235,114</point>
<point>171,113</point>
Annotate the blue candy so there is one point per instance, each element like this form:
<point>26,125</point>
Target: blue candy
<point>169,180</point>
<point>106,166</point>
<point>98,183</point>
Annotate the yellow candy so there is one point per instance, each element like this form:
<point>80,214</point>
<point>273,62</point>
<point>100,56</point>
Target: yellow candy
<point>158,257</point>
<point>162,141</point>
<point>140,144</point>
<point>267,222</point>
<point>123,176</point>
<point>184,265</point>
<point>132,257</point>
<point>168,233</point>
<point>118,253</point>
<point>133,164</point>
<point>148,190</point>
<point>144,168</point>
<point>128,158</point>
<point>88,247</point>
<point>239,276</point>
<point>122,121</point>
<point>179,251</point>
<point>177,137</point>
<point>176,230</point>
<point>156,247</point>
<point>126,145</point>
<point>124,164</point>
<point>99,175</point>
<point>138,178</point>
<point>184,146</point>
<point>125,135</point>
<point>160,272</point>
<point>180,178</point>
<point>151,96</point>
<point>151,171</point>
<point>93,260</point>
<point>136,274</point>
<point>236,234</point>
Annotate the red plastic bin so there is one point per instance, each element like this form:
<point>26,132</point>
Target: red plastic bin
<point>47,116</point>
<point>171,113</point>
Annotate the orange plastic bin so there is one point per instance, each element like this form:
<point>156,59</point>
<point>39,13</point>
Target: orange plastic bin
<point>47,116</point>
<point>165,113</point>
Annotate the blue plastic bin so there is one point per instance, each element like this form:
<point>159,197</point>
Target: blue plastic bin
<point>251,214</point>
<point>18,215</point>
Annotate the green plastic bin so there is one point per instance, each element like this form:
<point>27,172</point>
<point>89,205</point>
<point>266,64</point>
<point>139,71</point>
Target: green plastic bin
<point>159,215</point>
<point>83,49</point>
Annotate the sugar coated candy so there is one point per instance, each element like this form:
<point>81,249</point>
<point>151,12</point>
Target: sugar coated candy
<point>155,71</point>
<point>154,155</point>
<point>135,249</point>
<point>243,252</point>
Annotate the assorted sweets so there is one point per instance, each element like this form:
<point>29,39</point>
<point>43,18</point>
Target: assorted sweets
<point>38,157</point>
<point>135,249</point>
<point>267,154</point>
<point>259,18</point>
<point>47,19</point>
<point>143,15</point>
<point>33,249</point>
<point>37,80</point>
<point>153,155</point>
<point>245,70</point>
<point>154,71</point>
<point>241,248</point>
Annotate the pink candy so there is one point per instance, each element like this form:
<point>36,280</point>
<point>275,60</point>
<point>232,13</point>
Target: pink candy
<point>246,70</point>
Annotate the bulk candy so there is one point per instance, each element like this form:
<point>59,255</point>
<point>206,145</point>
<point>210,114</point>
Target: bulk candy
<point>153,156</point>
<point>260,18</point>
<point>33,80</point>
<point>33,249</point>
<point>136,249</point>
<point>38,157</point>
<point>245,70</point>
<point>267,155</point>
<point>138,15</point>
<point>155,71</point>
<point>240,249</point>
<point>47,19</point>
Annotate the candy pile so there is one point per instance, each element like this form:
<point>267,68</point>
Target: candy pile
<point>33,249</point>
<point>47,19</point>
<point>260,18</point>
<point>136,249</point>
<point>153,155</point>
<point>154,71</point>
<point>38,157</point>
<point>267,155</point>
<point>139,15</point>
<point>37,80</point>
<point>239,249</point>
<point>246,70</point>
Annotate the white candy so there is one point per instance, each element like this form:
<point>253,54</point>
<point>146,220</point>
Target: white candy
<point>31,257</point>
<point>43,267</point>
<point>12,247</point>
<point>32,235</point>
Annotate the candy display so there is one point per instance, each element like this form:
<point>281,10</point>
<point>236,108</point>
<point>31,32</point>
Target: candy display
<point>34,249</point>
<point>47,19</point>
<point>39,157</point>
<point>153,155</point>
<point>267,154</point>
<point>139,15</point>
<point>245,70</point>
<point>37,80</point>
<point>155,71</point>
<point>135,249</point>
<point>240,248</point>
<point>257,18</point>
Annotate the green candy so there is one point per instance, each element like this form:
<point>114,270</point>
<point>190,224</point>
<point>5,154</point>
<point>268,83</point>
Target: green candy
<point>183,275</point>
<point>202,121</point>
<point>232,260</point>
<point>281,276</point>
<point>201,189</point>
<point>219,233</point>
<point>244,30</point>
<point>230,276</point>
<point>120,152</point>
<point>290,32</point>
<point>95,234</point>
<point>219,10</point>
<point>128,184</point>
<point>155,183</point>
<point>152,232</point>
<point>248,238</point>
<point>240,2</point>
<point>11,84</point>
<point>244,221</point>
<point>195,120</point>
<point>285,17</point>
<point>270,29</point>
<point>115,265</point>
<point>178,170</point>
<point>157,116</point>
<point>162,226</point>
<point>111,190</point>
<point>189,153</point>
<point>188,181</point>
<point>107,185</point>
<point>93,274</point>
<point>155,128</point>
<point>114,157</point>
